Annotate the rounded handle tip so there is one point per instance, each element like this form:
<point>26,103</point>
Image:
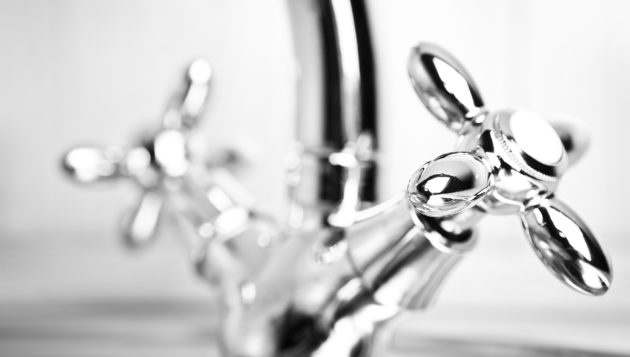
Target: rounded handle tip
<point>449,184</point>
<point>188,107</point>
<point>90,164</point>
<point>140,224</point>
<point>199,71</point>
<point>444,86</point>
<point>567,247</point>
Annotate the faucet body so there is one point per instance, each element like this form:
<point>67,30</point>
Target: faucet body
<point>305,307</point>
<point>354,260</point>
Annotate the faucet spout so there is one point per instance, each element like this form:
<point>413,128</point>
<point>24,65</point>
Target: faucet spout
<point>336,110</point>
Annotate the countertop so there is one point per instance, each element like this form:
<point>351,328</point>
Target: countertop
<point>78,294</point>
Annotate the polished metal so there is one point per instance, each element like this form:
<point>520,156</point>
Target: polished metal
<point>574,138</point>
<point>506,162</point>
<point>449,184</point>
<point>566,246</point>
<point>354,260</point>
<point>444,86</point>
<point>348,262</point>
<point>182,183</point>
<point>337,127</point>
<point>160,161</point>
<point>394,261</point>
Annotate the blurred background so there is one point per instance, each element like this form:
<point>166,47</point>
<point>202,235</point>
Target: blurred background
<point>100,72</point>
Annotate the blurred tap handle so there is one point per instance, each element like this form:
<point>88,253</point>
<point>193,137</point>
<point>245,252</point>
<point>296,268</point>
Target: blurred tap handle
<point>162,156</point>
<point>172,167</point>
<point>187,106</point>
<point>140,223</point>
<point>165,147</point>
<point>88,164</point>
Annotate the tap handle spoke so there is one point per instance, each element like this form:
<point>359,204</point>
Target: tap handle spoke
<point>140,224</point>
<point>89,164</point>
<point>566,246</point>
<point>187,107</point>
<point>575,139</point>
<point>160,162</point>
<point>444,86</point>
<point>449,184</point>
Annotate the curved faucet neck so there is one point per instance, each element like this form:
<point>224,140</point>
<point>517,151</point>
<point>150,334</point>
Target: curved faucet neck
<point>336,104</point>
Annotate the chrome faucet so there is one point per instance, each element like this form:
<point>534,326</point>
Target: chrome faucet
<point>349,261</point>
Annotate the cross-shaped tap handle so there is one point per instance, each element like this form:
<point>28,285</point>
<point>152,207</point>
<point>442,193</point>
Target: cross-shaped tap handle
<point>506,162</point>
<point>157,163</point>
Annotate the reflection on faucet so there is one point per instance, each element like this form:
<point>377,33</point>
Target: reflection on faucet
<point>507,162</point>
<point>174,171</point>
<point>349,261</point>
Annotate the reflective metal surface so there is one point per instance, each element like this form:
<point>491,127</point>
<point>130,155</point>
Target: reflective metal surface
<point>157,164</point>
<point>334,278</point>
<point>521,159</point>
<point>574,138</point>
<point>337,128</point>
<point>566,245</point>
<point>182,183</point>
<point>449,184</point>
<point>444,86</point>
